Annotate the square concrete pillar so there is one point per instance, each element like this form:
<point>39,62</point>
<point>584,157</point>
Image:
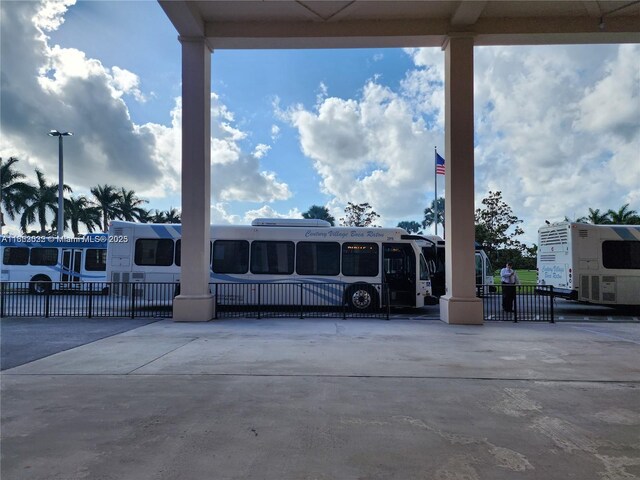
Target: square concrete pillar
<point>459,305</point>
<point>195,302</point>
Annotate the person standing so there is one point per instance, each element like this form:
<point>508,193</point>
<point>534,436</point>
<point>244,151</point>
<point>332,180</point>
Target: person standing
<point>509,279</point>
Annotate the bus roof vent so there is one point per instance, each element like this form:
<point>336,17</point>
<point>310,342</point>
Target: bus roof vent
<point>290,222</point>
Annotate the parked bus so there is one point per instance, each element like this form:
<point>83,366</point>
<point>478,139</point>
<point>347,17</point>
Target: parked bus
<point>597,264</point>
<point>364,260</point>
<point>434,253</point>
<point>48,262</point>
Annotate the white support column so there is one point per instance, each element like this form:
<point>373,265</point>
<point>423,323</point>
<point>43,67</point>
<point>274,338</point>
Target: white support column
<point>459,305</point>
<point>195,303</point>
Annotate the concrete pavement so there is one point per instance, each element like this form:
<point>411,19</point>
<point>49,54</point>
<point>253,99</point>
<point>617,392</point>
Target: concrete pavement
<point>326,399</point>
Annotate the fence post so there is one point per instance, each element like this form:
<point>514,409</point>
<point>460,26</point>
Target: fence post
<point>553,320</point>
<point>259,301</point>
<point>90,312</point>
<point>301,300</point>
<point>47,301</point>
<point>133,299</point>
<point>2,288</point>
<point>515,304</point>
<point>344,303</point>
<point>385,286</point>
<point>215,299</point>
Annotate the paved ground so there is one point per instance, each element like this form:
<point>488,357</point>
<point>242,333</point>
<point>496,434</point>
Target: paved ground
<point>325,399</point>
<point>23,340</point>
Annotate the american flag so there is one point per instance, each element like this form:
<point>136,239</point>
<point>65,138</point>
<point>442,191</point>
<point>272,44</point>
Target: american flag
<point>439,164</point>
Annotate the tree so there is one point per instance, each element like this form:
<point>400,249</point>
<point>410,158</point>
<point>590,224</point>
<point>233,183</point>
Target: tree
<point>15,193</point>
<point>81,210</point>
<point>360,215</point>
<point>161,216</point>
<point>321,213</point>
<point>172,216</point>
<point>128,205</point>
<point>624,216</point>
<point>43,200</point>
<point>106,196</point>
<point>430,214</point>
<point>411,227</point>
<point>595,217</point>
<point>497,226</point>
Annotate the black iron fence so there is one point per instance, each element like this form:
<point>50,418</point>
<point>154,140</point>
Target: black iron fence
<point>301,300</point>
<point>90,299</point>
<point>145,299</point>
<point>517,303</point>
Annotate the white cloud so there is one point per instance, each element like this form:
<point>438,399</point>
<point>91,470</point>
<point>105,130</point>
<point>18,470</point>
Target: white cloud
<point>546,135</point>
<point>371,149</point>
<point>275,132</point>
<point>54,87</point>
<point>556,132</point>
<point>261,150</point>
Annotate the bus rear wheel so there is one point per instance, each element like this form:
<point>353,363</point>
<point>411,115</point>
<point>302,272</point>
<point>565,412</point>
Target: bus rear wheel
<point>362,298</point>
<point>40,285</point>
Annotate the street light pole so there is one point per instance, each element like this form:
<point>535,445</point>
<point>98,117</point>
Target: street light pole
<point>56,133</point>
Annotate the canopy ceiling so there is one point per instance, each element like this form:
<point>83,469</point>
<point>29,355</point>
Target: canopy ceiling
<point>368,23</point>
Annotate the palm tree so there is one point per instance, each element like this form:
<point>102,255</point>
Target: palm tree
<point>430,213</point>
<point>623,216</point>
<point>80,210</point>
<point>107,197</point>
<point>44,199</point>
<point>157,216</point>
<point>595,217</point>
<point>172,215</point>
<point>15,192</point>
<point>321,213</point>
<point>129,205</point>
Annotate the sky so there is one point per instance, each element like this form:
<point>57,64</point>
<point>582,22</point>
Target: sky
<point>557,127</point>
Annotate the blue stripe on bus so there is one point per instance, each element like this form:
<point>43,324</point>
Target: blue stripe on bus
<point>162,231</point>
<point>625,232</point>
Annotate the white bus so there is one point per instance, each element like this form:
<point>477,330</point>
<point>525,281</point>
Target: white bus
<point>52,262</point>
<point>597,264</point>
<point>434,253</point>
<point>360,260</point>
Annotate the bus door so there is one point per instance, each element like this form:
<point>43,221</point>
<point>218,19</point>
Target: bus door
<point>399,273</point>
<point>71,265</point>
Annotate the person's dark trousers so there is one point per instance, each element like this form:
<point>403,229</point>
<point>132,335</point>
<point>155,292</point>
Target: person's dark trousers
<point>508,296</point>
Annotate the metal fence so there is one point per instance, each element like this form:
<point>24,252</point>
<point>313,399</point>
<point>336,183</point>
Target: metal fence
<point>145,299</point>
<point>301,300</point>
<point>90,299</point>
<point>259,300</point>
<point>517,303</point>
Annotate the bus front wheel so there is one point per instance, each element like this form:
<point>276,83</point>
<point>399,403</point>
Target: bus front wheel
<point>40,285</point>
<point>362,298</point>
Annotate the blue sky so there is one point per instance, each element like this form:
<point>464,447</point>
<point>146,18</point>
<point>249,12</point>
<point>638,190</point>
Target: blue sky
<point>557,127</point>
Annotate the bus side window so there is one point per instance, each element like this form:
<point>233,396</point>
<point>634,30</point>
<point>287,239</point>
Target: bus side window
<point>15,256</point>
<point>231,256</point>
<point>95,260</point>
<point>154,252</point>
<point>360,259</point>
<point>318,258</point>
<point>272,257</point>
<point>44,256</point>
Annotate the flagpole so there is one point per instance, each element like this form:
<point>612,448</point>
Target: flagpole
<point>435,181</point>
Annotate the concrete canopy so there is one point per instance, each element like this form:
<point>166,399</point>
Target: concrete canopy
<point>360,23</point>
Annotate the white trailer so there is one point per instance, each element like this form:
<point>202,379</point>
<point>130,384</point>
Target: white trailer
<point>598,264</point>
